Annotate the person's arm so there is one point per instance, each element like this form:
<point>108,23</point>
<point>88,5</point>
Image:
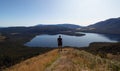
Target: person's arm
<point>57,40</point>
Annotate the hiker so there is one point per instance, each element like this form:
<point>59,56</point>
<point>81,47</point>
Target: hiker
<point>59,43</point>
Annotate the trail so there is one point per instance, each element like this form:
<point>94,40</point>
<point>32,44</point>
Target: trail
<point>64,63</point>
<point>69,59</point>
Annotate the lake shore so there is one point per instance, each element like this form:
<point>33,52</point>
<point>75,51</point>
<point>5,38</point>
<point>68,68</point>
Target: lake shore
<point>72,33</point>
<point>14,51</point>
<point>22,52</point>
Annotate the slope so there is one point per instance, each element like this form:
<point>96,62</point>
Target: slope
<point>69,59</point>
<point>108,26</point>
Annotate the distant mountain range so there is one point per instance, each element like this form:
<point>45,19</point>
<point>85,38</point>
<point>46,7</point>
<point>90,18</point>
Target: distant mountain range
<point>71,26</point>
<point>40,29</point>
<point>111,26</point>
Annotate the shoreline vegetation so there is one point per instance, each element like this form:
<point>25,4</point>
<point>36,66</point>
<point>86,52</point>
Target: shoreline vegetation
<point>70,33</point>
<point>12,50</point>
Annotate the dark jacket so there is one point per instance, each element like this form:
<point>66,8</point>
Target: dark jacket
<point>59,41</point>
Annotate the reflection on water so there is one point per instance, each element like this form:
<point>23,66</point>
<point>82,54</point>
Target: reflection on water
<point>77,41</point>
<point>114,37</point>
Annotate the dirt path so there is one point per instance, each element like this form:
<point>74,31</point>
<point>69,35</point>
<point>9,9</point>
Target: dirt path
<point>51,61</point>
<point>64,63</point>
<point>69,59</point>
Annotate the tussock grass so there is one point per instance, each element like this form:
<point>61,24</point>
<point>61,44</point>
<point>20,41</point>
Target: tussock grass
<point>69,59</point>
<point>38,63</point>
<point>85,60</point>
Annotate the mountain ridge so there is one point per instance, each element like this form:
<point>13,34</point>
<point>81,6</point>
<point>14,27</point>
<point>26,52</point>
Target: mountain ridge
<point>109,26</point>
<point>72,26</point>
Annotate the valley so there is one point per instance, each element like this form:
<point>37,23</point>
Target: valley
<point>13,51</point>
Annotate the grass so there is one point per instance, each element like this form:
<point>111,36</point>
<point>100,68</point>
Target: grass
<point>91,62</point>
<point>74,59</point>
<point>12,50</point>
<point>51,61</point>
<point>11,54</point>
<point>38,63</point>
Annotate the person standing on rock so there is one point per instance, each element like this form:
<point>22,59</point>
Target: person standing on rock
<point>59,43</point>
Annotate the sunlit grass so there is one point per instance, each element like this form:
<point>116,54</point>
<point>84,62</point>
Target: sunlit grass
<point>38,63</point>
<point>85,60</point>
<point>73,59</point>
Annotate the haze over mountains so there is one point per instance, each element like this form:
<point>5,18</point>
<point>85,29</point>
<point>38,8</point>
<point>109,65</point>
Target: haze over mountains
<point>110,26</point>
<point>72,26</point>
<point>40,29</point>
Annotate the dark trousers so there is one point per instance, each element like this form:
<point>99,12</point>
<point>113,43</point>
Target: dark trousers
<point>60,47</point>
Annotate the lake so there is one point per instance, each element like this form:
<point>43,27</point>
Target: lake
<point>77,41</point>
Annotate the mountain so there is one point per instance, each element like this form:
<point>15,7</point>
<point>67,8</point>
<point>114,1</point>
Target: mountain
<point>40,29</point>
<point>111,26</point>
<point>2,27</point>
<point>110,23</point>
<point>48,29</point>
<point>71,26</point>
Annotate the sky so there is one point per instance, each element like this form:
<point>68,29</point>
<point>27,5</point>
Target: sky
<point>33,12</point>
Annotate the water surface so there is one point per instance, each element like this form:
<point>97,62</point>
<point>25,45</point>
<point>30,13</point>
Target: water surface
<point>77,41</point>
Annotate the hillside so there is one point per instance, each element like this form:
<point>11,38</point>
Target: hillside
<point>69,59</point>
<point>110,26</point>
<point>34,29</point>
<point>41,29</point>
<point>71,26</point>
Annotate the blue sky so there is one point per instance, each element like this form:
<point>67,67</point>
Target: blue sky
<point>80,12</point>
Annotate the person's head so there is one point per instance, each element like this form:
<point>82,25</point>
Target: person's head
<point>59,36</point>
